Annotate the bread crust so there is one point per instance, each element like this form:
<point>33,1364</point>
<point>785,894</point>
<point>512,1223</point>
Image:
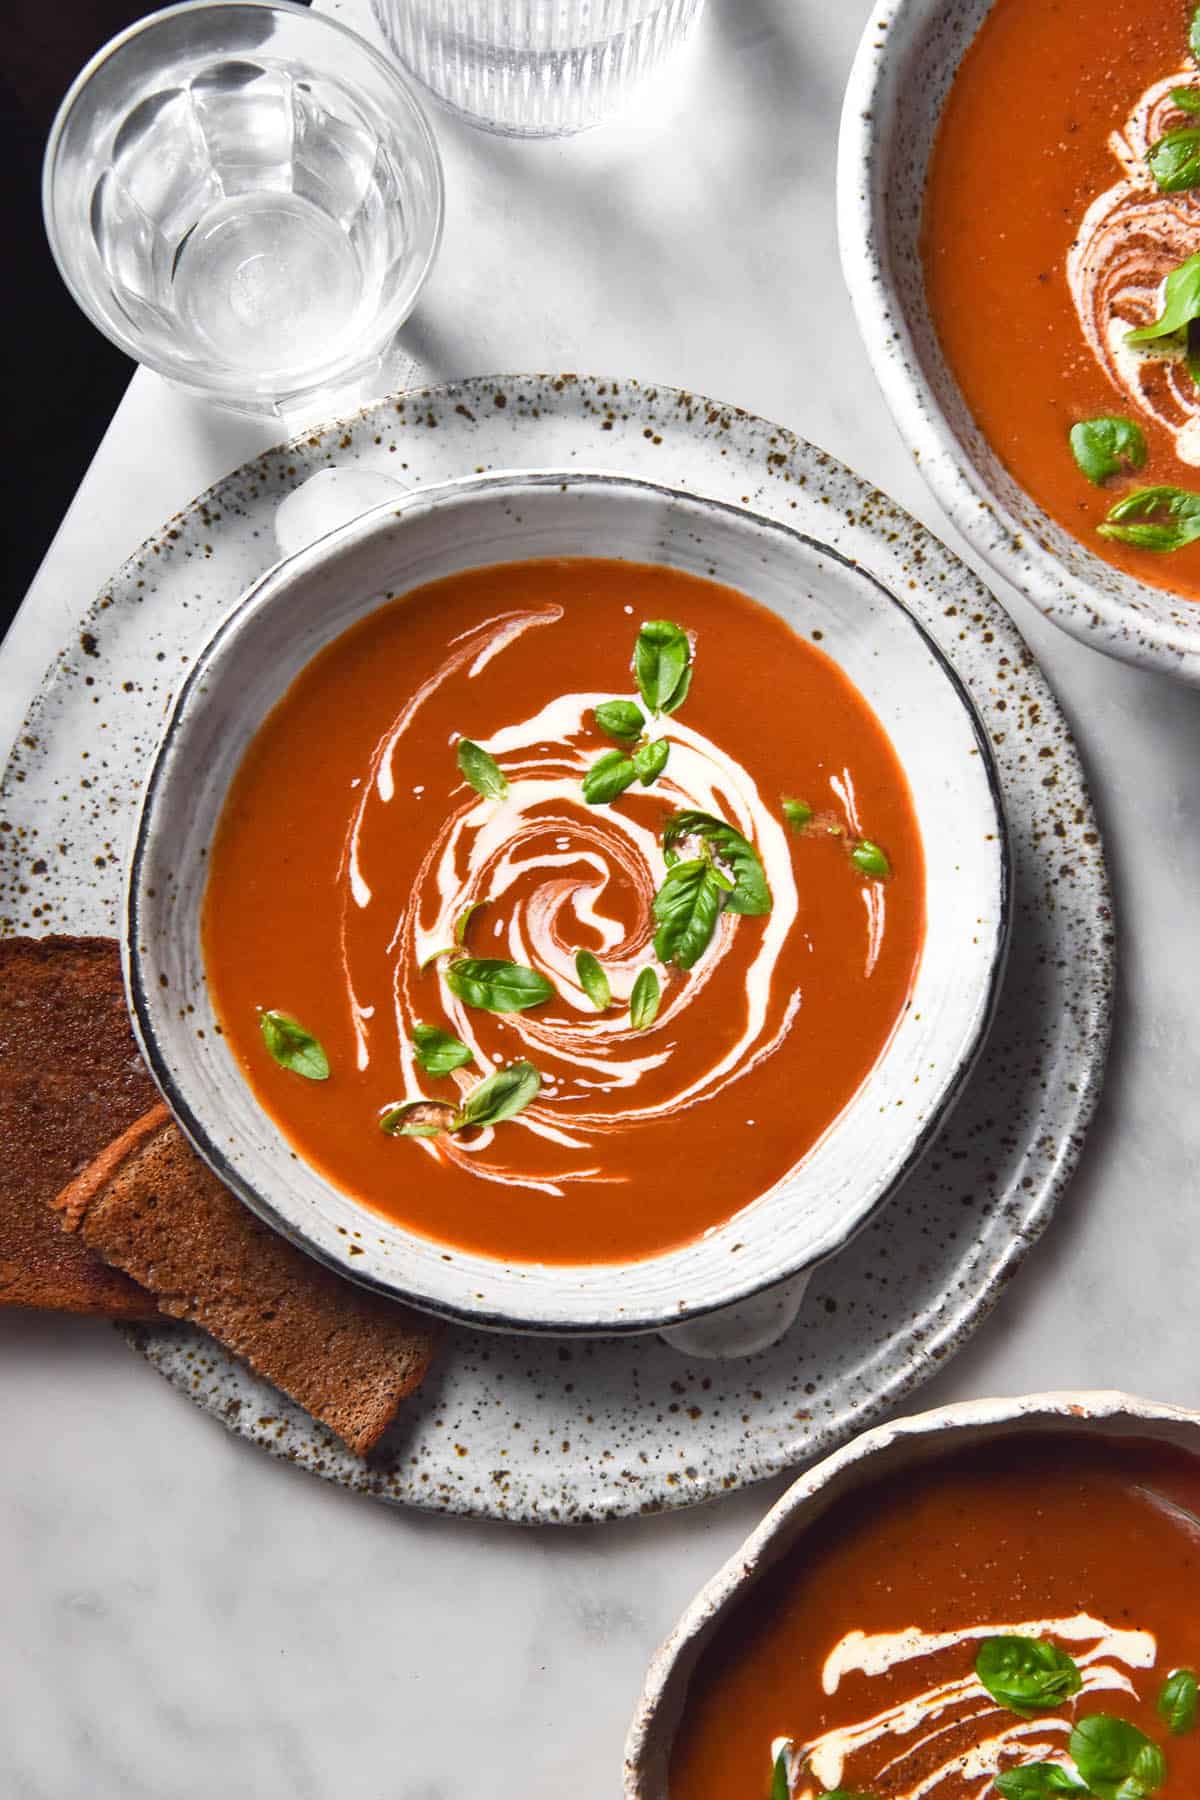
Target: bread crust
<point>70,1077</point>
<point>151,1207</point>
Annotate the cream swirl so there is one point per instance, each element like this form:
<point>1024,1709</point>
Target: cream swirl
<point>550,875</point>
<point>950,1709</point>
<point>1129,240</point>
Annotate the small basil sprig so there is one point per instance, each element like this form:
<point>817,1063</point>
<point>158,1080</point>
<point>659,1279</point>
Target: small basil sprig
<point>687,907</point>
<point>499,1096</point>
<point>481,770</point>
<point>1178,1703</point>
<point>293,1047</point>
<point>650,760</point>
<point>1107,446</point>
<point>464,919</point>
<point>1154,518</point>
<point>1181,303</point>
<point>1037,1781</point>
<point>798,813</point>
<point>644,1000</point>
<point>437,1051</point>
<point>1115,1759</point>
<point>613,772</point>
<point>870,860</point>
<point>417,1118</point>
<point>750,892</point>
<point>1026,1675</point>
<point>662,660</point>
<point>620,718</point>
<point>1174,160</point>
<point>593,980</point>
<point>1194,35</point>
<point>608,776</point>
<point>1187,99</point>
<point>496,986</point>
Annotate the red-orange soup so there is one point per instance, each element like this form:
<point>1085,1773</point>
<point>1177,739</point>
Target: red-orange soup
<point>1051,1539</point>
<point>351,846</point>
<point>1046,238</point>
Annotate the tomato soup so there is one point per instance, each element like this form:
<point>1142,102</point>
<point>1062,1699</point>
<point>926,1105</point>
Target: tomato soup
<point>558,908</point>
<point>1037,1603</point>
<point>1048,238</point>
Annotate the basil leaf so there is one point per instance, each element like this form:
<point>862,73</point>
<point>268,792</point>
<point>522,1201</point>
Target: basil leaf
<point>608,776</point>
<point>687,907</point>
<point>1117,1761</point>
<point>1174,160</point>
<point>661,663</point>
<point>500,1096</point>
<point>780,1786</point>
<point>1036,1780</point>
<point>437,1051</point>
<point>593,980</point>
<point>417,1118</point>
<point>463,920</point>
<point>1178,1702</point>
<point>442,950</point>
<point>495,986</point>
<point>750,893</point>
<point>1181,302</point>
<point>1107,446</point>
<point>797,813</point>
<point>644,1000</point>
<point>1194,35</point>
<point>1187,99</point>
<point>1193,351</point>
<point>481,770</point>
<point>1154,518</point>
<point>650,760</point>
<point>870,859</point>
<point>620,718</point>
<point>293,1047</point>
<point>1026,1675</point>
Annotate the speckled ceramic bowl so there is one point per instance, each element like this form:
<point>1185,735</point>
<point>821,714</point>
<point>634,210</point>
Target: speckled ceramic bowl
<point>313,596</point>
<point>888,1450</point>
<point>904,68</point>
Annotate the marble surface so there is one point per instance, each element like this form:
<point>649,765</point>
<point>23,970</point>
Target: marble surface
<point>180,1616</point>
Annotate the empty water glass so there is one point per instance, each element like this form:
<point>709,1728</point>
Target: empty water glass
<point>534,68</point>
<point>245,197</point>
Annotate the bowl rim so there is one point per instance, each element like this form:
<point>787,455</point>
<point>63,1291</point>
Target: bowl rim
<point>1150,639</point>
<point>273,587</point>
<point>1082,1409</point>
<point>198,381</point>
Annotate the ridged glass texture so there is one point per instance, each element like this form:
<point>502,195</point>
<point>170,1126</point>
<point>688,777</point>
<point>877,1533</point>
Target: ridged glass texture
<point>534,68</point>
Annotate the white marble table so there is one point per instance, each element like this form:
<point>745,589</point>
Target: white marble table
<point>180,1616</point>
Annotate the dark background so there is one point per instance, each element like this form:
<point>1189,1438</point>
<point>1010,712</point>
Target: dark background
<point>64,379</point>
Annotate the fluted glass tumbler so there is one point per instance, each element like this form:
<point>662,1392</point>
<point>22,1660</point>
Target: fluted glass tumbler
<point>246,197</point>
<point>534,68</point>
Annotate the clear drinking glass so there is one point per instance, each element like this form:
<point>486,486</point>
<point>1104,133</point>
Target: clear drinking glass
<point>246,197</point>
<point>534,68</point>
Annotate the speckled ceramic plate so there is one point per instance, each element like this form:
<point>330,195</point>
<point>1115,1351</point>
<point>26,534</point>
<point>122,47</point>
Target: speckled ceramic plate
<point>540,1429</point>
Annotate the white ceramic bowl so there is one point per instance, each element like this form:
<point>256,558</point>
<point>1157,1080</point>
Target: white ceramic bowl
<point>313,596</point>
<point>906,62</point>
<point>893,1450</point>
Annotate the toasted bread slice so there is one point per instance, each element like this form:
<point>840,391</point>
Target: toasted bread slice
<point>149,1205</point>
<point>70,1080</point>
